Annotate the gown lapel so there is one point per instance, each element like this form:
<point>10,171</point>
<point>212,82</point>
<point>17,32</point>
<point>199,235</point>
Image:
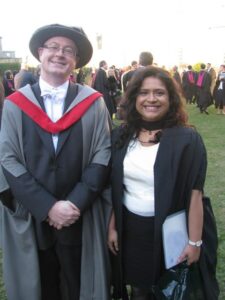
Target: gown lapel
<point>71,95</point>
<point>44,135</point>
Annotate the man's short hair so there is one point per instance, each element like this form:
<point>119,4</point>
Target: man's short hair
<point>203,66</point>
<point>133,63</point>
<point>102,63</point>
<point>145,59</point>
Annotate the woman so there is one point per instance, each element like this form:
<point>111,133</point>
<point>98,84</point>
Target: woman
<point>114,90</point>
<point>158,168</point>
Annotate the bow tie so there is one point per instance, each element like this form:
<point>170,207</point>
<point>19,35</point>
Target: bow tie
<point>56,95</point>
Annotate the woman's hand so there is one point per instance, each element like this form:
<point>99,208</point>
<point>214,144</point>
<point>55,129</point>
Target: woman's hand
<point>113,241</point>
<point>191,254</point>
<point>113,235</point>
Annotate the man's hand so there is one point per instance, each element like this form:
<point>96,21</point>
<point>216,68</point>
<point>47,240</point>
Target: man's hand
<point>62,214</point>
<point>113,241</point>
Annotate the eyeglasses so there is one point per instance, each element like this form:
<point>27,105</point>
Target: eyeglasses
<point>67,51</point>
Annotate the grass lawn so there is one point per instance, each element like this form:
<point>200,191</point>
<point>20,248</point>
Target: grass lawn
<point>212,129</point>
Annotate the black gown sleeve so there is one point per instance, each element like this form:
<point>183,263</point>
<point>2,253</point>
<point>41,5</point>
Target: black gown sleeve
<point>27,191</point>
<point>94,179</point>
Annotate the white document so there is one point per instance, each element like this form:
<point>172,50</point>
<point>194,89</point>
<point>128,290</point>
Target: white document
<point>175,237</point>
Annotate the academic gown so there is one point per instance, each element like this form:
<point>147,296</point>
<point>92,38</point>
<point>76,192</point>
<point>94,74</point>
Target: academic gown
<point>219,94</point>
<point>92,134</point>
<point>179,168</point>
<point>189,88</point>
<point>101,84</point>
<point>203,92</point>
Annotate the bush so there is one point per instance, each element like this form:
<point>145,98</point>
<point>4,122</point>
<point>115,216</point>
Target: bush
<point>197,67</point>
<point>9,66</point>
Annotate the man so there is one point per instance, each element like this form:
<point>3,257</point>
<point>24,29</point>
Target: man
<point>188,84</point>
<point>203,83</point>
<point>55,152</point>
<point>176,76</point>
<point>101,84</point>
<point>145,60</point>
<point>24,77</point>
<point>127,75</point>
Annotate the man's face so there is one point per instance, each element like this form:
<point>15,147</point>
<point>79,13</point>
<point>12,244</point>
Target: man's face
<point>58,58</point>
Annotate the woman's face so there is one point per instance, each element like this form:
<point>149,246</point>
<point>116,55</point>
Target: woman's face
<point>152,102</point>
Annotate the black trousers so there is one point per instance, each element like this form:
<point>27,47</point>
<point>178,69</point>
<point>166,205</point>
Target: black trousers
<point>60,272</point>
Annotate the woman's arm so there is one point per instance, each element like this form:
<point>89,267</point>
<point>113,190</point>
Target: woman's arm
<point>195,217</point>
<point>191,253</point>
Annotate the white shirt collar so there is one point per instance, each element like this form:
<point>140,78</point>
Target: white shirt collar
<point>47,88</point>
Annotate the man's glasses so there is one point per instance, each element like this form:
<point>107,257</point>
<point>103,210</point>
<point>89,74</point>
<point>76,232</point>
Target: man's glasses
<point>67,51</point>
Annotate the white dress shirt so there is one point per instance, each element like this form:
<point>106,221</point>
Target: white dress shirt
<point>54,99</point>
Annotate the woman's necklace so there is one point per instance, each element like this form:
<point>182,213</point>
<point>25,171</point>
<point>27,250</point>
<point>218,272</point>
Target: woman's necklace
<point>151,138</point>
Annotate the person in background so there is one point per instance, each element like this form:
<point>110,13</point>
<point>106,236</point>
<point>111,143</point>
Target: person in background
<point>158,168</point>
<point>176,76</point>
<point>117,74</point>
<point>188,85</point>
<point>81,77</point>
<point>8,82</point>
<point>114,87</point>
<point>101,84</point>
<point>127,76</point>
<point>2,96</point>
<point>219,91</point>
<point>145,60</point>
<point>203,83</point>
<point>212,74</point>
<point>24,77</point>
<point>55,154</point>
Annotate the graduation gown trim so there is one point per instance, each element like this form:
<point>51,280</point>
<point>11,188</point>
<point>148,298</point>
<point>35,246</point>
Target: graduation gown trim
<point>42,119</point>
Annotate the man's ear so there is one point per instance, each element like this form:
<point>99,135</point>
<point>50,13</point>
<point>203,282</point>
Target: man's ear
<point>40,51</point>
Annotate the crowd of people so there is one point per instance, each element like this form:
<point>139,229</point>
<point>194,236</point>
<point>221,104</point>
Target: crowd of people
<point>83,205</point>
<point>203,88</point>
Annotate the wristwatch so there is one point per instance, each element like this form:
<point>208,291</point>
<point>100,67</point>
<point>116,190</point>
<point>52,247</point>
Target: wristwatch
<point>195,244</point>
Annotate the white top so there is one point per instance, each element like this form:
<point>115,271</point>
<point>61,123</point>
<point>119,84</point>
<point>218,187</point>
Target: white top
<point>54,99</point>
<point>139,178</point>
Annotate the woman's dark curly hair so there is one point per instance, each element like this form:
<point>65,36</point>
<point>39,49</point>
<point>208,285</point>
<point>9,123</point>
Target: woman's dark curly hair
<point>176,116</point>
